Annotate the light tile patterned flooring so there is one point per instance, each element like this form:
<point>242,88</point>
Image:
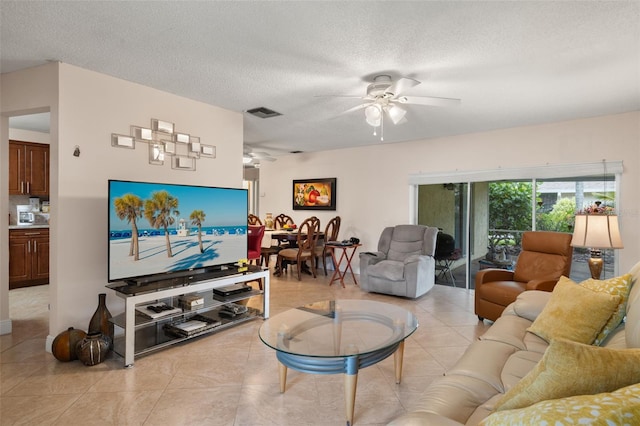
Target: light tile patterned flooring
<point>229,378</point>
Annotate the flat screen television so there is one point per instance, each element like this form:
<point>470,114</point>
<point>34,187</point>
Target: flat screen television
<point>159,231</point>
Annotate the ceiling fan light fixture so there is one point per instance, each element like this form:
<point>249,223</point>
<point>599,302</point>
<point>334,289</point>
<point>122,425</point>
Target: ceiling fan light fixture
<point>396,113</point>
<point>246,159</point>
<point>373,115</point>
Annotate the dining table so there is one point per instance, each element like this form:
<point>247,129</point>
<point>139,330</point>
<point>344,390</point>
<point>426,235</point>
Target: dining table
<point>290,237</point>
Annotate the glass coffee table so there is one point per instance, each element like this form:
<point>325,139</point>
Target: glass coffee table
<point>339,336</point>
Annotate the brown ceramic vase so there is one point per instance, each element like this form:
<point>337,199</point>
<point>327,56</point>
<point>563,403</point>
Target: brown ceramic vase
<point>64,345</point>
<point>93,349</point>
<point>100,320</point>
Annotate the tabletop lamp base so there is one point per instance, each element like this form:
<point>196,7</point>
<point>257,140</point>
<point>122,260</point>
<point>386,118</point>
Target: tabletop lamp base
<point>595,264</point>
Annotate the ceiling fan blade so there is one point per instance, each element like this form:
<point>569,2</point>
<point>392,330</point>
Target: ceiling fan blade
<point>340,96</point>
<point>402,84</point>
<point>428,100</point>
<point>262,156</point>
<point>355,108</point>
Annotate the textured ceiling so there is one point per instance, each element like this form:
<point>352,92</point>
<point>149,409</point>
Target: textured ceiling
<point>512,63</point>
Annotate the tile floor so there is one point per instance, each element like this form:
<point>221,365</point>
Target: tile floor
<point>230,378</point>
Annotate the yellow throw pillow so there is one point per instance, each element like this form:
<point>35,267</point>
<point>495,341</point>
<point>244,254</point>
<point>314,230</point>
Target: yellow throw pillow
<point>574,312</point>
<point>620,286</point>
<point>621,407</point>
<point>568,369</point>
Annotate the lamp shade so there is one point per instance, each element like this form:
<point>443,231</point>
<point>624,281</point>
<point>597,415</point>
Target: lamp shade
<point>596,231</point>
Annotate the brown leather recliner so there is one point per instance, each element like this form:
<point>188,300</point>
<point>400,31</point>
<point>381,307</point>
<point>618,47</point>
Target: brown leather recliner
<point>545,257</point>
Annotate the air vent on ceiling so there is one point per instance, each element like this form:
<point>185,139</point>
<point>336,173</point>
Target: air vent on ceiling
<point>263,112</point>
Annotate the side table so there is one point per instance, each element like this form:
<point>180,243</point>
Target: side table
<point>347,252</point>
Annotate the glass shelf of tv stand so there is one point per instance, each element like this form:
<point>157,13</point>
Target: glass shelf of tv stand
<point>153,338</point>
<point>210,303</point>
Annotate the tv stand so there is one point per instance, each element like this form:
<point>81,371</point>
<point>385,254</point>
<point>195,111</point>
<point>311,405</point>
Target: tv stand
<point>143,334</point>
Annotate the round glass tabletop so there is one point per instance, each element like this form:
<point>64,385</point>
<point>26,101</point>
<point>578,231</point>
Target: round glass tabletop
<point>337,328</point>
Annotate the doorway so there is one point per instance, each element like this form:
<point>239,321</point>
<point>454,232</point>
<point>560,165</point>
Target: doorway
<point>29,306</point>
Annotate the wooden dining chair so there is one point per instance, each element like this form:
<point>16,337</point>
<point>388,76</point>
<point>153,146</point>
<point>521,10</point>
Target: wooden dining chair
<point>273,249</point>
<point>330,234</point>
<point>253,220</point>
<point>307,238</point>
<point>279,222</point>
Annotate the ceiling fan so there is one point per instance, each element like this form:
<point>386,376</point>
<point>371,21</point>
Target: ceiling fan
<point>385,98</point>
<point>253,158</point>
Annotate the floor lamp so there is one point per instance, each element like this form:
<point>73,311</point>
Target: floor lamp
<point>596,232</point>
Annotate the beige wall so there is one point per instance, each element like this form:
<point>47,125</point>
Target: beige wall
<point>92,106</point>
<point>28,136</point>
<point>373,190</point>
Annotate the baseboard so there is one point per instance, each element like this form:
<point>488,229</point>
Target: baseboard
<point>5,326</point>
<point>49,343</point>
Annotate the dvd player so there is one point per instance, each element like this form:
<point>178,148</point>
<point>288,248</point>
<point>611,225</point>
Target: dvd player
<point>230,290</point>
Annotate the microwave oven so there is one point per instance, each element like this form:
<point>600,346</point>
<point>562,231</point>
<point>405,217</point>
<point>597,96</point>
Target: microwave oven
<point>25,215</point>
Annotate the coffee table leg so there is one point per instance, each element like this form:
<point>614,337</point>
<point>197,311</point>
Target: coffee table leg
<point>350,383</point>
<point>282,369</point>
<point>398,355</point>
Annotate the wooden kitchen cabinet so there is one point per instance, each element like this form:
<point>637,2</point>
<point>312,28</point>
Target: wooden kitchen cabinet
<point>28,168</point>
<point>28,257</point>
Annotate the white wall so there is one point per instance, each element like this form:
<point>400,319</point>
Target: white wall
<point>373,190</point>
<point>29,136</point>
<point>91,107</point>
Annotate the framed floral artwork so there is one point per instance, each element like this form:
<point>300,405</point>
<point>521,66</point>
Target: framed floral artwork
<point>314,194</point>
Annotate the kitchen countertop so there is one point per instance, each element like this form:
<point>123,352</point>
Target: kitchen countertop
<point>43,226</point>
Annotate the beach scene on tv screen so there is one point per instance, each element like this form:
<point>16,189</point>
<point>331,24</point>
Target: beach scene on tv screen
<point>160,228</point>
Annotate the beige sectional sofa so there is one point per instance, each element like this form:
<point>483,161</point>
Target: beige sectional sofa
<point>495,364</point>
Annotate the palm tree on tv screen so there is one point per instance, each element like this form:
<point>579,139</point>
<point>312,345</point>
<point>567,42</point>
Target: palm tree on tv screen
<point>159,210</point>
<point>129,207</point>
<point>197,217</point>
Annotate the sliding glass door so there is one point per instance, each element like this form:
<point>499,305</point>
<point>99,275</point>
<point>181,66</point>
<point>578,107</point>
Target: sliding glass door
<point>557,200</point>
<point>445,206</point>
<point>486,219</point>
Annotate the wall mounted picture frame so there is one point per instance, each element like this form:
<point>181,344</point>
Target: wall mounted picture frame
<point>314,194</point>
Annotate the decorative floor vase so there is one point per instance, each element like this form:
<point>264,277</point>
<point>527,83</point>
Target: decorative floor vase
<point>93,349</point>
<point>65,343</point>
<point>100,320</point>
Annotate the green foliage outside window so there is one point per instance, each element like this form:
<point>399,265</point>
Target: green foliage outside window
<point>560,218</point>
<point>509,210</point>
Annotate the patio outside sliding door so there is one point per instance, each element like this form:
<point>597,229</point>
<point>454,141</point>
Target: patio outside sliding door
<point>445,206</point>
